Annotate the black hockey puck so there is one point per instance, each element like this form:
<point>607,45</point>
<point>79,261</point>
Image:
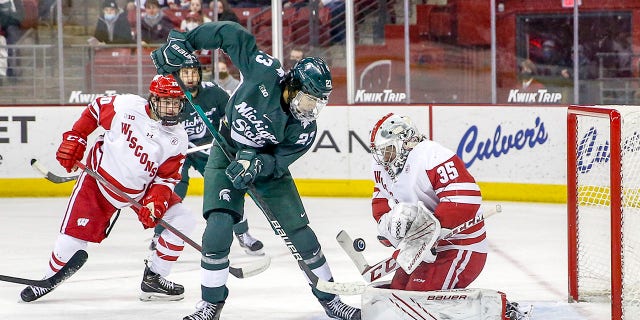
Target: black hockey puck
<point>359,245</point>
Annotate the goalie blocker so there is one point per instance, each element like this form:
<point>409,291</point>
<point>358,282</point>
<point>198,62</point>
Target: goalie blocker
<point>380,303</point>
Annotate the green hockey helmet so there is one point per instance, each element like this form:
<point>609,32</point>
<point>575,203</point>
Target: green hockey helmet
<point>309,88</point>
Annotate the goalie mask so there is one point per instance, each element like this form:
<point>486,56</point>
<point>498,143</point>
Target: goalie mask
<point>392,138</point>
<point>309,85</point>
<point>166,99</point>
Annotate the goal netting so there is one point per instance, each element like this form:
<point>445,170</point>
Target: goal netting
<point>603,184</point>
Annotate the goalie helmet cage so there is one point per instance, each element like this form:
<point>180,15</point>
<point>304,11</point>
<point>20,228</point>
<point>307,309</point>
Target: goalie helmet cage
<point>603,207</point>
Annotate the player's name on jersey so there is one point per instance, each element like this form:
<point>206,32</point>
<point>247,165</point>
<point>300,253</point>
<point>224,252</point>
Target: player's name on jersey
<point>80,97</point>
<point>541,96</point>
<point>386,96</point>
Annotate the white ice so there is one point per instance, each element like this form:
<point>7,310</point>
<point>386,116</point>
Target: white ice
<point>527,261</point>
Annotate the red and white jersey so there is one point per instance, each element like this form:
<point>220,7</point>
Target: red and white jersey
<point>135,150</point>
<point>436,176</point>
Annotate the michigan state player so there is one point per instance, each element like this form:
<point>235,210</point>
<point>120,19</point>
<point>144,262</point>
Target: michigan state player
<point>212,99</point>
<point>269,123</point>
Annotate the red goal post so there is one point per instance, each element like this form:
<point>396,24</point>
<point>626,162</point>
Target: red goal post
<point>603,207</point>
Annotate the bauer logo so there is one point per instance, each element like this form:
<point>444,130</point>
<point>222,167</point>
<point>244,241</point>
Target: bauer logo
<point>472,147</point>
<point>386,96</point>
<point>541,96</point>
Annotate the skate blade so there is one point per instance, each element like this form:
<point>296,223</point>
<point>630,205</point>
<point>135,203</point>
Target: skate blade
<point>152,296</point>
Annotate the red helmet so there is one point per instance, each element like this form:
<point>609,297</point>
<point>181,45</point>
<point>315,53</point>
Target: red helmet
<point>165,86</point>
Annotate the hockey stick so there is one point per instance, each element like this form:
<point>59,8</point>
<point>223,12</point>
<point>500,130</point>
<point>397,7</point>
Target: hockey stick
<point>386,266</point>
<point>35,164</point>
<point>250,270</point>
<point>322,285</point>
<point>74,264</point>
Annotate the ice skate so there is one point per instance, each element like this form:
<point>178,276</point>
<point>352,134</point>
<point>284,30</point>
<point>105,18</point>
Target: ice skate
<point>251,245</point>
<point>336,309</point>
<point>206,311</point>
<point>156,287</point>
<point>32,293</point>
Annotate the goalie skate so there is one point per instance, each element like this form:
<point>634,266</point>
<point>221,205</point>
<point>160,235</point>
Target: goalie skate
<point>156,287</point>
<point>336,309</point>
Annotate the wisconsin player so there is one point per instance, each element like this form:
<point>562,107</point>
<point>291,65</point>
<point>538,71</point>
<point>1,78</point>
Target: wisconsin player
<point>408,169</point>
<point>269,123</point>
<point>212,99</point>
<point>141,152</point>
<point>418,183</point>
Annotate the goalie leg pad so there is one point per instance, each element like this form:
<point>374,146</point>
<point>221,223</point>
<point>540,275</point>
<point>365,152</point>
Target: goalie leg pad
<point>379,303</point>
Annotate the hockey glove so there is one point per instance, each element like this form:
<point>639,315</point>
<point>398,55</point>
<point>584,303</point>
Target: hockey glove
<point>400,219</point>
<point>71,149</point>
<point>154,204</point>
<point>244,170</point>
<point>172,54</point>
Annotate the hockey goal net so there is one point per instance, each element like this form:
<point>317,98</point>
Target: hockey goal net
<point>603,205</point>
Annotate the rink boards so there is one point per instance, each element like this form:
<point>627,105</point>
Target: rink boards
<point>515,152</point>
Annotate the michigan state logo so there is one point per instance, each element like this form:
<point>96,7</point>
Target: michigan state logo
<point>224,195</point>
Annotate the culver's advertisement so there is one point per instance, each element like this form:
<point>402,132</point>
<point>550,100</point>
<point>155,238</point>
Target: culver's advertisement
<point>506,144</point>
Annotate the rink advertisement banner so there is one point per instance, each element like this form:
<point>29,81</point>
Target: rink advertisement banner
<point>505,143</point>
<point>32,132</point>
<point>505,147</point>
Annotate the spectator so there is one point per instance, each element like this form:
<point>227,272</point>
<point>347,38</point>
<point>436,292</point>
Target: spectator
<point>11,16</point>
<point>191,21</point>
<point>528,71</point>
<point>226,80</point>
<point>194,16</point>
<point>131,4</point>
<point>155,26</point>
<point>179,4</point>
<point>112,26</point>
<point>225,13</point>
<point>295,55</point>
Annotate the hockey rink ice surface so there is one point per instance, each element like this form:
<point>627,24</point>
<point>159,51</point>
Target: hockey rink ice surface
<point>527,261</point>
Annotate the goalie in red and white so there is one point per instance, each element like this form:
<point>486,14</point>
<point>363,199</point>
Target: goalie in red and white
<point>140,152</point>
<point>422,191</point>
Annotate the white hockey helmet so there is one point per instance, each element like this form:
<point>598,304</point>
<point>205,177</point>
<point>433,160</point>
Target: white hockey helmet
<point>392,138</point>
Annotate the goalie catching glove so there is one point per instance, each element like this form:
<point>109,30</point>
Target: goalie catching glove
<point>71,149</point>
<point>168,58</point>
<point>247,166</point>
<point>154,205</point>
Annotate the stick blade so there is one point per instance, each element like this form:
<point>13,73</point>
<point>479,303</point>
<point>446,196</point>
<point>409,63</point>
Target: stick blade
<point>70,268</point>
<point>357,258</point>
<point>251,269</point>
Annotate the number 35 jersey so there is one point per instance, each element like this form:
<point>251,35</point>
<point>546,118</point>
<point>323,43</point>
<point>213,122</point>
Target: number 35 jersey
<point>436,176</point>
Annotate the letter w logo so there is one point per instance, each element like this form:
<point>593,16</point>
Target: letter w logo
<point>83,222</point>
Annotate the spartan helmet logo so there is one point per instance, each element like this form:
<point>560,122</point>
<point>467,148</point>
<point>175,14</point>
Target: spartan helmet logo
<point>224,195</point>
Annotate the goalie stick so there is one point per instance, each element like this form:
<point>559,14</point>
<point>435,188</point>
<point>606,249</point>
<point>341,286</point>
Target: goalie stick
<point>386,266</point>
<point>35,164</point>
<point>322,285</point>
<point>74,264</point>
<point>249,270</point>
